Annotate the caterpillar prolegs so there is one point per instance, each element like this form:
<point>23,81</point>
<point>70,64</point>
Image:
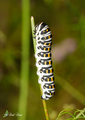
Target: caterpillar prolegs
<point>44,63</point>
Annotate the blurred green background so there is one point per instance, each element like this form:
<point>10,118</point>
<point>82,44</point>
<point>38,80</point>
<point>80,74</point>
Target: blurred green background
<point>66,19</point>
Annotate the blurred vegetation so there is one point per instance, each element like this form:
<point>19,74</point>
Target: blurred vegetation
<point>66,19</point>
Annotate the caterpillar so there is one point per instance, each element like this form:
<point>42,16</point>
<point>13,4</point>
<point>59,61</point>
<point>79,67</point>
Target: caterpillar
<point>43,38</point>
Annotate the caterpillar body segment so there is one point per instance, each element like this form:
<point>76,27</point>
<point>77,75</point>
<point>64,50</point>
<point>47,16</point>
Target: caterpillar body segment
<point>43,48</point>
<point>43,63</point>
<point>45,71</point>
<point>40,27</point>
<point>46,79</point>
<point>43,55</point>
<point>47,95</point>
<point>44,43</point>
<point>48,87</point>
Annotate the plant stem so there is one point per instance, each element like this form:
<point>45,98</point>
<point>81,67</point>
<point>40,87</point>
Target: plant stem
<point>25,50</point>
<point>79,115</point>
<point>34,43</point>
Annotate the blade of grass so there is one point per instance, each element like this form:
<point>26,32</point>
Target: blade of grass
<point>70,89</point>
<point>64,112</point>
<point>25,50</point>
<point>34,43</point>
<point>79,115</point>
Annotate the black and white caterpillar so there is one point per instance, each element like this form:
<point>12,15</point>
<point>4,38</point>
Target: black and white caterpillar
<point>44,63</point>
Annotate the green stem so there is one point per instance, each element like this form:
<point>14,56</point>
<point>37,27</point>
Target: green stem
<point>34,43</point>
<point>25,49</point>
<point>80,114</point>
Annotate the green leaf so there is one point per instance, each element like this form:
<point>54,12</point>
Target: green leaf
<point>64,112</point>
